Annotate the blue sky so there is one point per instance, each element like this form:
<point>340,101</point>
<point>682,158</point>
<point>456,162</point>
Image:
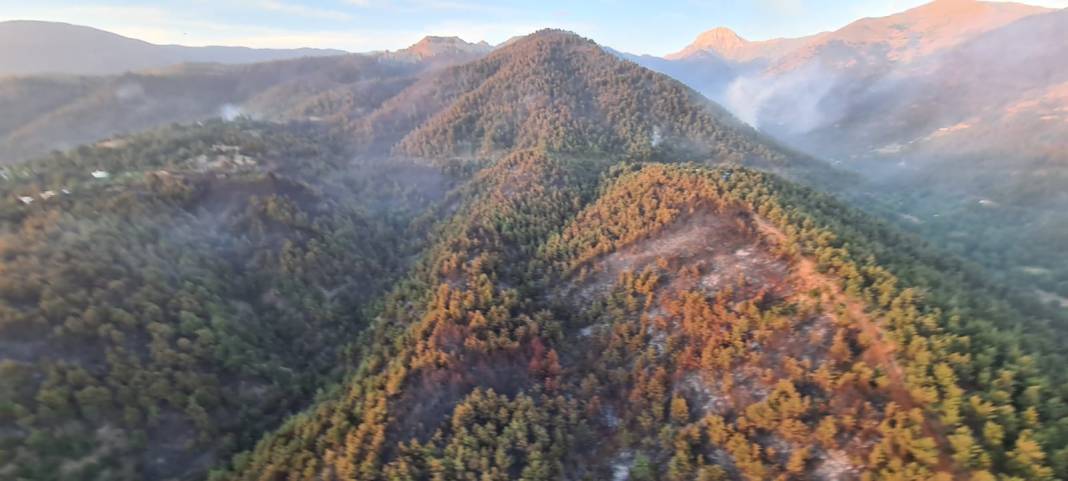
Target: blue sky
<point>654,27</point>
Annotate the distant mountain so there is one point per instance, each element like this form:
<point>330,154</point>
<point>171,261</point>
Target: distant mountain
<point>957,108</point>
<point>43,113</point>
<point>433,47</point>
<point>34,48</point>
<point>442,98</point>
<point>728,45</point>
<point>873,43</point>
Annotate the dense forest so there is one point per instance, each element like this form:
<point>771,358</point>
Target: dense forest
<point>544,264</point>
<point>544,326</point>
<point>165,313</point>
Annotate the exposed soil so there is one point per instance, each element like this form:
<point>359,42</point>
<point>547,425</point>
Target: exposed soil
<point>720,246</point>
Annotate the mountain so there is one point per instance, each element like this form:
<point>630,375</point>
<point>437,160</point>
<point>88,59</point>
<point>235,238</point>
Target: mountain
<point>838,71</point>
<point>52,112</point>
<point>728,45</point>
<point>658,324</point>
<point>545,263</point>
<point>767,77</point>
<point>37,48</point>
<point>251,256</point>
<point>872,43</point>
<point>432,46</point>
<point>169,296</point>
<point>558,90</point>
<point>965,100</point>
<point>954,109</point>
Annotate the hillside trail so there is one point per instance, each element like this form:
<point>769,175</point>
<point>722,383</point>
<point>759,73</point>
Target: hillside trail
<point>880,353</point>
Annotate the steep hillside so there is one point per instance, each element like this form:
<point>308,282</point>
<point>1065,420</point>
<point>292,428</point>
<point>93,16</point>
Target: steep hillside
<point>793,86</point>
<point>548,263</point>
<point>871,44</point>
<point>560,92</point>
<point>677,323</point>
<point>168,297</point>
<point>977,135</point>
<point>37,48</point>
<point>996,94</point>
<point>954,108</point>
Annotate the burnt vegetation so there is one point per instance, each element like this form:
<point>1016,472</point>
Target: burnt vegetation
<point>554,265</point>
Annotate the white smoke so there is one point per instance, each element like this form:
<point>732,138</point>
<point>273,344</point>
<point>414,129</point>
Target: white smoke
<point>129,91</point>
<point>794,100</point>
<point>229,112</point>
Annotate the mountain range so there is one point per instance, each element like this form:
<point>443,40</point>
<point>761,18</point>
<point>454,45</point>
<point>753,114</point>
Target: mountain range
<point>52,112</point>
<point>38,48</point>
<point>954,110</point>
<point>538,261</point>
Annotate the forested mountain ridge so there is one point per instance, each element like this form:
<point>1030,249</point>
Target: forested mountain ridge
<point>547,263</point>
<point>560,92</point>
<point>167,299</point>
<point>60,112</point>
<point>678,323</point>
<point>733,318</point>
<point>253,216</point>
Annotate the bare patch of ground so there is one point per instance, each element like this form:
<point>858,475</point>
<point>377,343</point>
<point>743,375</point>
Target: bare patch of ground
<point>721,248</point>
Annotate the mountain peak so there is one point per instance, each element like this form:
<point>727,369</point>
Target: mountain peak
<point>720,38</point>
<point>433,46</point>
<point>554,34</point>
<point>727,44</point>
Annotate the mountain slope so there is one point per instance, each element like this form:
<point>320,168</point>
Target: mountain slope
<point>56,114</point>
<point>563,93</point>
<point>247,304</point>
<point>585,318</point>
<point>159,316</point>
<point>768,77</point>
<point>36,48</point>
<point>665,325</point>
<point>954,108</point>
<point>470,294</point>
<point>976,134</point>
<point>871,44</point>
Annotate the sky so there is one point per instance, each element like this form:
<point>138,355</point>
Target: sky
<point>640,26</point>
